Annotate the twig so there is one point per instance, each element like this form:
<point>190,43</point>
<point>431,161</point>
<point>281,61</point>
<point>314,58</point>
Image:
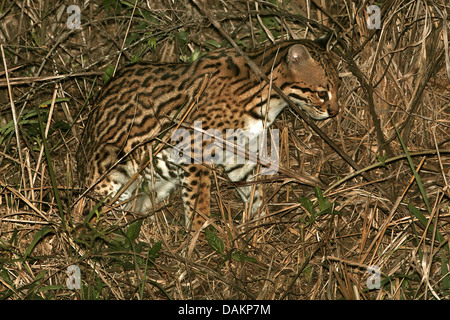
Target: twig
<point>14,114</point>
<point>26,80</point>
<point>385,162</point>
<point>47,128</point>
<point>125,37</point>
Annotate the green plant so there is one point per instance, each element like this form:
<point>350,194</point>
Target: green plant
<point>324,205</point>
<point>217,245</point>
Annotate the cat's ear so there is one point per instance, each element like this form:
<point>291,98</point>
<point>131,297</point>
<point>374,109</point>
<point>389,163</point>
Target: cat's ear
<point>298,53</point>
<point>324,40</point>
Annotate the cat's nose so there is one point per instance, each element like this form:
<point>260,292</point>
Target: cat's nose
<point>333,112</point>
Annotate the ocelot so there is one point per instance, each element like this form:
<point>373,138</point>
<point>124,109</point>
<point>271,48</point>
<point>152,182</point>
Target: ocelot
<point>128,132</point>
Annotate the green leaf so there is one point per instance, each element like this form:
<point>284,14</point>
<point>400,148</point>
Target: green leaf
<point>47,152</point>
<point>107,4</point>
<point>131,38</point>
<point>307,204</point>
<point>413,169</point>
<point>444,251</point>
<point>324,204</point>
<point>444,271</point>
<point>5,276</point>
<point>153,253</point>
<point>424,221</point>
<point>128,3</point>
<point>417,214</point>
<point>135,58</point>
<point>214,241</point>
<point>28,120</point>
<point>57,100</point>
<point>239,256</point>
<point>182,38</point>
<point>213,43</point>
<point>107,75</point>
<point>133,230</point>
<point>151,42</point>
<point>52,287</point>
<point>62,125</point>
<point>38,236</point>
<point>382,159</point>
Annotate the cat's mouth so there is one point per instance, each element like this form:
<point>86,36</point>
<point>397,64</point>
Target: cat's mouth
<point>319,116</point>
<point>314,112</point>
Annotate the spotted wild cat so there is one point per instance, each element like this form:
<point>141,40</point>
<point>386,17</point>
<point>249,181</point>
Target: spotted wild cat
<point>145,103</point>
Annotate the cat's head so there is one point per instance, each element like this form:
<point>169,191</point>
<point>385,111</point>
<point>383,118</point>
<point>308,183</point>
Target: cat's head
<point>311,79</point>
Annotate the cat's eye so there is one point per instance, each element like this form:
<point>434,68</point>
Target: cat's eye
<point>323,95</point>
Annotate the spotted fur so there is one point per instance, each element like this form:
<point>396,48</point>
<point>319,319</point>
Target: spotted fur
<point>144,103</point>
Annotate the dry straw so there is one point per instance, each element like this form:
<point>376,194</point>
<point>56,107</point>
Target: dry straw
<point>382,164</point>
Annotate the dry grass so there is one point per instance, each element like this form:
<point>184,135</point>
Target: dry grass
<point>388,206</point>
